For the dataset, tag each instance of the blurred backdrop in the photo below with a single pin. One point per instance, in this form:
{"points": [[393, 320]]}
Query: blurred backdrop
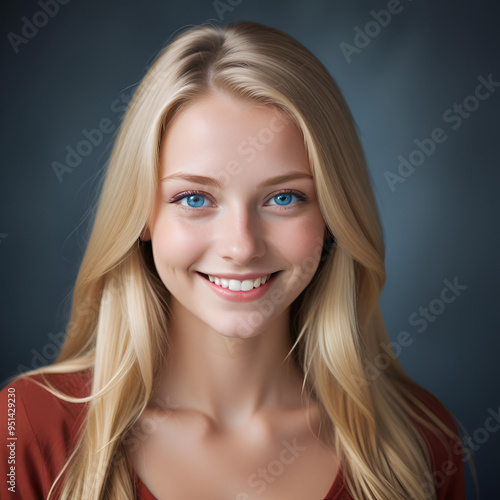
{"points": [[422, 79]]}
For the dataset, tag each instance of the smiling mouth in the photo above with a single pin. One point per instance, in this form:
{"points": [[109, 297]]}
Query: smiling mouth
{"points": [[237, 285]]}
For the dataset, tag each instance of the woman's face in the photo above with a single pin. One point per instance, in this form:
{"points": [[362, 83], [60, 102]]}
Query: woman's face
{"points": [[237, 231]]}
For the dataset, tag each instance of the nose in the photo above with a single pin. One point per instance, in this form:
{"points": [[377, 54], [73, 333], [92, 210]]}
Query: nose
{"points": [[241, 237]]}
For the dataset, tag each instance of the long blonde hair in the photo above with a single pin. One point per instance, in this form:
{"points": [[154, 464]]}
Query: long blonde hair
{"points": [[118, 327]]}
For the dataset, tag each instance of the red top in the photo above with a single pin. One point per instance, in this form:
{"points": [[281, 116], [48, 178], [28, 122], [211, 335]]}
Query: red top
{"points": [[38, 431]]}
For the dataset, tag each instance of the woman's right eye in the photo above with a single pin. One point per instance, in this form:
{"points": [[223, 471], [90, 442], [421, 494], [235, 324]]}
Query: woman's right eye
{"points": [[192, 200]]}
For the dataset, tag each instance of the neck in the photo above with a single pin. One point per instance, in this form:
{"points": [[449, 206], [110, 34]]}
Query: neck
{"points": [[229, 379]]}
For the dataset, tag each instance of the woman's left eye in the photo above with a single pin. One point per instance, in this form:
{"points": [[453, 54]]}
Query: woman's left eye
{"points": [[284, 199], [194, 200]]}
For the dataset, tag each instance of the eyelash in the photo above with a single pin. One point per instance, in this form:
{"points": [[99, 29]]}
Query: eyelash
{"points": [[301, 199], [180, 196], [185, 194]]}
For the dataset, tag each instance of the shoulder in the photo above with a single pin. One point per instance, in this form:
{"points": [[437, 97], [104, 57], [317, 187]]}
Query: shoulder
{"points": [[42, 408], [75, 384], [40, 428], [445, 447]]}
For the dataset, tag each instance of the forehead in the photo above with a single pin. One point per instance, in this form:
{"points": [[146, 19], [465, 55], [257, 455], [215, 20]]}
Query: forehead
{"points": [[219, 133]]}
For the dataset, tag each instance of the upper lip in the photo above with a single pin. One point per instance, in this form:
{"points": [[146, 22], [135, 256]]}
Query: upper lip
{"points": [[239, 277]]}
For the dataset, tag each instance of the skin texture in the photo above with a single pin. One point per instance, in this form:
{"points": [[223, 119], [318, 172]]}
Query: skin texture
{"points": [[228, 399]]}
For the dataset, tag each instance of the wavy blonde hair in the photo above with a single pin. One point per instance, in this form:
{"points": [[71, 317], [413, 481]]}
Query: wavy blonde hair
{"points": [[119, 321]]}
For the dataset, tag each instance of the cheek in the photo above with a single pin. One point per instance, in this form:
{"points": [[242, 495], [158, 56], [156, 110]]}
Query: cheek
{"points": [[176, 246], [301, 244], [310, 242]]}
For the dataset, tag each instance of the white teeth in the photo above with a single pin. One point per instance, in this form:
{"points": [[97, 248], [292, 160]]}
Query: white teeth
{"points": [[246, 285], [237, 285]]}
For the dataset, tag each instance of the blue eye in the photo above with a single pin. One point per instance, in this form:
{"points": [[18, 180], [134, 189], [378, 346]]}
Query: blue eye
{"points": [[284, 199], [194, 201]]}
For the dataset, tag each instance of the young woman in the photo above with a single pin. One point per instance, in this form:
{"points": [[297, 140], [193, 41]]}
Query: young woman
{"points": [[225, 320]]}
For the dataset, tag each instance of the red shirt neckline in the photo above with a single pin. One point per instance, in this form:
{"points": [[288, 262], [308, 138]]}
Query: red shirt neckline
{"points": [[334, 493], [46, 442]]}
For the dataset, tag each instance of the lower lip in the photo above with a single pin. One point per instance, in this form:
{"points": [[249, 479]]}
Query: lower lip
{"points": [[233, 296]]}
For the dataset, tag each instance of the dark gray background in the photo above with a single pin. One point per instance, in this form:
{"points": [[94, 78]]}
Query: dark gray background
{"points": [[440, 224]]}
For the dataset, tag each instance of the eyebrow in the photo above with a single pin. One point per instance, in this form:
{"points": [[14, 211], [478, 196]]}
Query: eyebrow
{"points": [[213, 182]]}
